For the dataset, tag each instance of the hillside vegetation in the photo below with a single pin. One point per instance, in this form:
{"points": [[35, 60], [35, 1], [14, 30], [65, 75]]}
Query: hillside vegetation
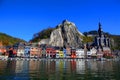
{"points": [[8, 40], [44, 34], [116, 39]]}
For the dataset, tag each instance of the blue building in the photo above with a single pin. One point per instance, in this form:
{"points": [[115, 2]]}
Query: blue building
{"points": [[27, 51]]}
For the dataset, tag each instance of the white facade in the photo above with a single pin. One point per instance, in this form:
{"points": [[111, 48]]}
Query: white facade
{"points": [[93, 52], [89, 53], [21, 52], [80, 53]]}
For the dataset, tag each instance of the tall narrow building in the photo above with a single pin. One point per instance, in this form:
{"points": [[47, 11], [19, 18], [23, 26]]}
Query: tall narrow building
{"points": [[102, 41]]}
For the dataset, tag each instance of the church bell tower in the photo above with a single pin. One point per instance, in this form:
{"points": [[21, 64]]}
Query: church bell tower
{"points": [[100, 32]]}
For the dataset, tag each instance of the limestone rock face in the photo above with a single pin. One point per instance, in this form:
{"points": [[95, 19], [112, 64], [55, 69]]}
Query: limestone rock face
{"points": [[56, 38], [66, 34], [44, 41]]}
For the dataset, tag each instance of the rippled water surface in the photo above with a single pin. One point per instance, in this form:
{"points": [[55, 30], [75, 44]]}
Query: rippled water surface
{"points": [[59, 70]]}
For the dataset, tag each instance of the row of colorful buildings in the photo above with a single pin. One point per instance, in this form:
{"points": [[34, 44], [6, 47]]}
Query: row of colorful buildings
{"points": [[22, 50]]}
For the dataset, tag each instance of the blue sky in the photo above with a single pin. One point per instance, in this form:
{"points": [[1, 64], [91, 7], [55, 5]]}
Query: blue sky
{"points": [[23, 18]]}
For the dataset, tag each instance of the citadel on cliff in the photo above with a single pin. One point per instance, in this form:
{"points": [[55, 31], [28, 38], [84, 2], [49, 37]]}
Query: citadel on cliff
{"points": [[66, 34]]}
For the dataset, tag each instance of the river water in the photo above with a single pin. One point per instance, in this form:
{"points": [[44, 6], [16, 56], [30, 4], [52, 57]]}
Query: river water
{"points": [[59, 70]]}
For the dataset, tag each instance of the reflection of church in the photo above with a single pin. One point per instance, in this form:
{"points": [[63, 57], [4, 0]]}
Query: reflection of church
{"points": [[101, 41]]}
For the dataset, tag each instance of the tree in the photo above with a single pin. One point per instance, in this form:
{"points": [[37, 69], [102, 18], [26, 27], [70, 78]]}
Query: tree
{"points": [[87, 39], [44, 34]]}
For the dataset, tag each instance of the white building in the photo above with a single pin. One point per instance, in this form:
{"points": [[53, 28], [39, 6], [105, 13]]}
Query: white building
{"points": [[80, 53], [93, 52], [20, 52]]}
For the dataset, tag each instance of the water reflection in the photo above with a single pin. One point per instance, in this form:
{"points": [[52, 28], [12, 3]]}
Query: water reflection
{"points": [[59, 70], [80, 67]]}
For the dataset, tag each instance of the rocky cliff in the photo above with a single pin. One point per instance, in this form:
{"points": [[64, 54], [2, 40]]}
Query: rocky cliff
{"points": [[66, 34]]}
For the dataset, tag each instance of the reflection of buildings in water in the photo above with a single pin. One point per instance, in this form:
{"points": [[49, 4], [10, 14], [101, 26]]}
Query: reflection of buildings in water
{"points": [[19, 66], [95, 65], [55, 70], [11, 65], [22, 70], [63, 66], [99, 66], [3, 65], [42, 69], [92, 65], [50, 66], [80, 67], [50, 70], [7, 68], [73, 65], [34, 66], [60, 66], [22, 67], [108, 66]]}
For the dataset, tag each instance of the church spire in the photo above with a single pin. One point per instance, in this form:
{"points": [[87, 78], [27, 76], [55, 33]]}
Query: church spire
{"points": [[100, 25], [100, 32]]}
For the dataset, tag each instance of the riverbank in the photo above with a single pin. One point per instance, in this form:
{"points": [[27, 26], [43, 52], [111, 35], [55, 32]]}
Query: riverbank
{"points": [[60, 59]]}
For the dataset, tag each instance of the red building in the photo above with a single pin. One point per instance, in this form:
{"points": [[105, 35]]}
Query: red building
{"points": [[50, 52], [73, 53]]}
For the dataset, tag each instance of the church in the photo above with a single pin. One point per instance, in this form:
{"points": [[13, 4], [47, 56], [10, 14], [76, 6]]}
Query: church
{"points": [[102, 41]]}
